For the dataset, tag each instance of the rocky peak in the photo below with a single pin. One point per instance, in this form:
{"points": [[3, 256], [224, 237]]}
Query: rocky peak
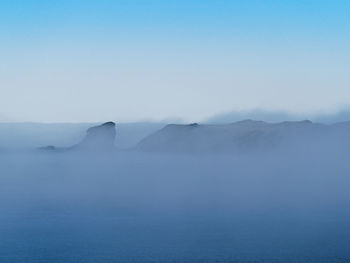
{"points": [[99, 137]]}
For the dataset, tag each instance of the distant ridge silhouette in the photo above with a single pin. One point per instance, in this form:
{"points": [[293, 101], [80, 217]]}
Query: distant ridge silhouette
{"points": [[98, 138], [241, 136]]}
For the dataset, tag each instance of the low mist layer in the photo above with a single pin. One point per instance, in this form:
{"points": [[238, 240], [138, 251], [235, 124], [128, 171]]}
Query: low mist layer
{"points": [[133, 207], [285, 202]]}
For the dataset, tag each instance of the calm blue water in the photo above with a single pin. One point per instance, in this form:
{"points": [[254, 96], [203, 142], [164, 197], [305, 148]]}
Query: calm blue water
{"points": [[139, 208]]}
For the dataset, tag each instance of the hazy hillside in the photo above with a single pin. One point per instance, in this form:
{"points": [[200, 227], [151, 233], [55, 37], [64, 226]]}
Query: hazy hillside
{"points": [[33, 135], [240, 136], [244, 135]]}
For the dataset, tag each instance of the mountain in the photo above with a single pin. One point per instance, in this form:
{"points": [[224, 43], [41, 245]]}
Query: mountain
{"points": [[100, 137], [244, 136], [97, 138], [279, 116], [19, 136]]}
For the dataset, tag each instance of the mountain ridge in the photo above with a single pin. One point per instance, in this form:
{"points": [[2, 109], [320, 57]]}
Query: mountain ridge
{"points": [[245, 135]]}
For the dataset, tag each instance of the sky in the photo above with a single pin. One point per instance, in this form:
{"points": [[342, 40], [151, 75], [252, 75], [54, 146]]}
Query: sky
{"points": [[133, 60]]}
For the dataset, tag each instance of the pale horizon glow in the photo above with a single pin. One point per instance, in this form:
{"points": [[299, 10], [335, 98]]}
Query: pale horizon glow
{"points": [[91, 61]]}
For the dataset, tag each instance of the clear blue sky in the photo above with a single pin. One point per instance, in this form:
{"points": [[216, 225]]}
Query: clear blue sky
{"points": [[131, 60]]}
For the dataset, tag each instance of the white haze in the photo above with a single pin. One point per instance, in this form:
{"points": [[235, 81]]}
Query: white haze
{"points": [[340, 115], [286, 205]]}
